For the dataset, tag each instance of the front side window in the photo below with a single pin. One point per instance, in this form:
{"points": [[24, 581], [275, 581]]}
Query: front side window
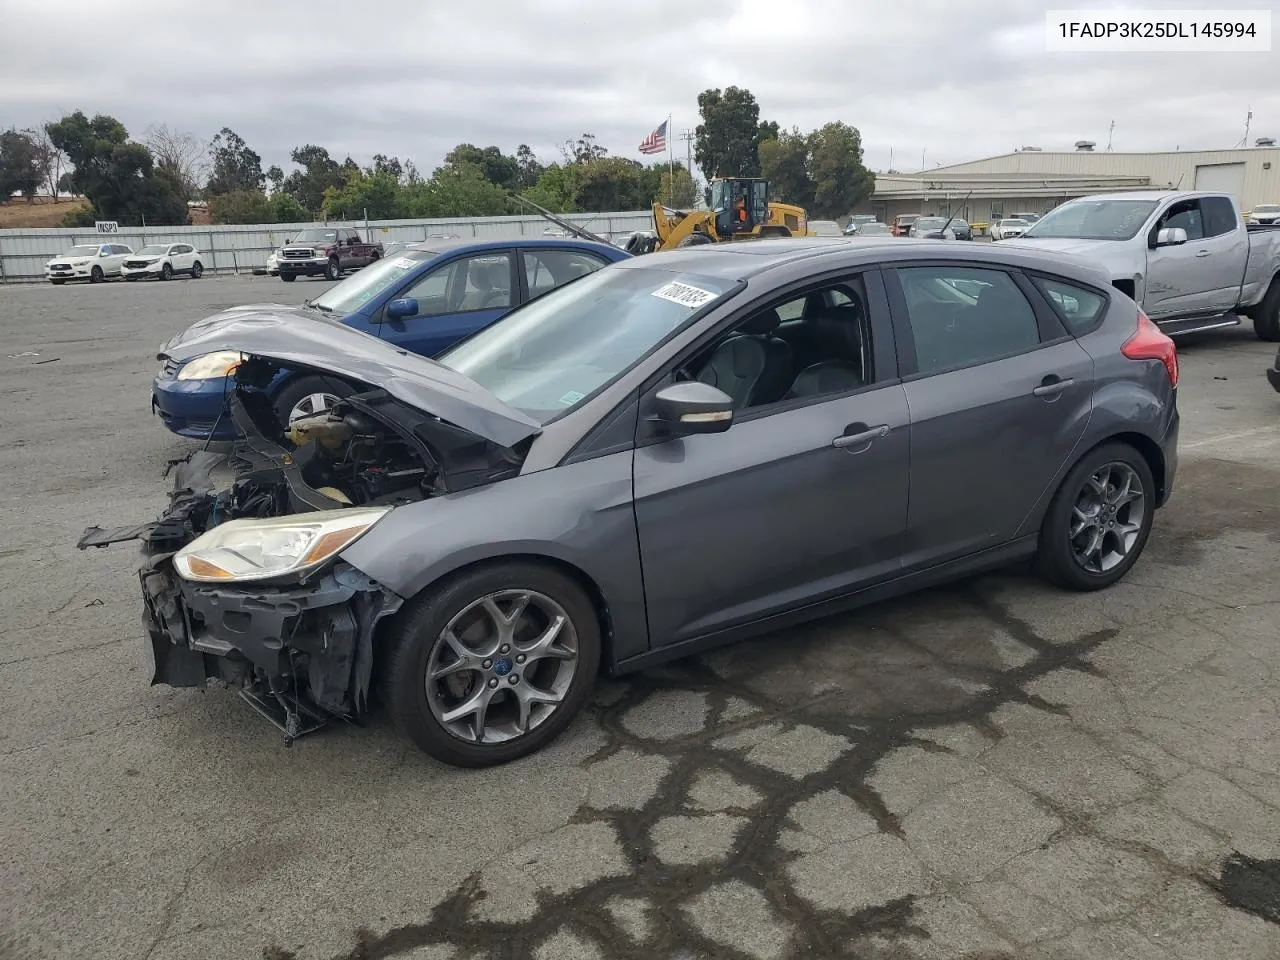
{"points": [[480, 282], [961, 316], [548, 356], [1185, 215], [547, 269]]}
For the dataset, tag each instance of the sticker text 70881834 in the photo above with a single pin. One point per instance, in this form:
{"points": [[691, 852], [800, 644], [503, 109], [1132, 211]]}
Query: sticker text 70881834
{"points": [[684, 294]]}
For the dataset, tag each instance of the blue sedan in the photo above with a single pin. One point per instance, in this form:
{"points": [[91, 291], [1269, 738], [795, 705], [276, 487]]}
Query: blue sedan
{"points": [[424, 298]]}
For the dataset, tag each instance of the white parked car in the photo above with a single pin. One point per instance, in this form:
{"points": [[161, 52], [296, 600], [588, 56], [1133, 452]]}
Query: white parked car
{"points": [[88, 261], [824, 228], [163, 260], [1008, 229], [273, 262]]}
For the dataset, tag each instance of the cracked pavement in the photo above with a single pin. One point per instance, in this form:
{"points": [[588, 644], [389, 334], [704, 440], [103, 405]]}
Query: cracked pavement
{"points": [[992, 770]]}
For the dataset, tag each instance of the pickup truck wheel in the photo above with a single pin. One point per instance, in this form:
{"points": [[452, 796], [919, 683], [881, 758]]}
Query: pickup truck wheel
{"points": [[1098, 522], [492, 664], [332, 270], [1266, 322], [288, 277]]}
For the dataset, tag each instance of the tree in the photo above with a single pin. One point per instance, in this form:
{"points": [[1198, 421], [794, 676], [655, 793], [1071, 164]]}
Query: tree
{"points": [[768, 130], [51, 161], [784, 162], [275, 177], [677, 188], [391, 166], [19, 165], [556, 188], [117, 175], [612, 183], [181, 154], [727, 141], [493, 165], [457, 191], [254, 206], [366, 193], [583, 150], [234, 165], [319, 172], [530, 169], [840, 180]]}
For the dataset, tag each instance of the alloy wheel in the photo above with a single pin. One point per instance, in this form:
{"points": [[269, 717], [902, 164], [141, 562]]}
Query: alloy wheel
{"points": [[502, 666], [310, 405], [1107, 518]]}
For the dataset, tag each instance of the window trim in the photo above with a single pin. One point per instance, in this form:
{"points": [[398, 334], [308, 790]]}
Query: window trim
{"points": [[1048, 326], [402, 292], [1163, 215], [884, 354]]}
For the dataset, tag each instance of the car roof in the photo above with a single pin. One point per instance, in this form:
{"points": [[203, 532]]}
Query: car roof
{"points": [[481, 246], [741, 260]]}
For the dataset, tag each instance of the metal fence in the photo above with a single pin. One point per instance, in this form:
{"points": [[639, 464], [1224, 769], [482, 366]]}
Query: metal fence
{"points": [[242, 249]]}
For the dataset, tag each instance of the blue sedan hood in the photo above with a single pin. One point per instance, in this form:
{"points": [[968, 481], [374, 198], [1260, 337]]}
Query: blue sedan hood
{"points": [[300, 339]]}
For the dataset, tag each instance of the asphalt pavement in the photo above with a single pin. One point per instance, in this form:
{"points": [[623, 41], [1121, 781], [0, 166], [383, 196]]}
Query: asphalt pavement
{"points": [[997, 769]]}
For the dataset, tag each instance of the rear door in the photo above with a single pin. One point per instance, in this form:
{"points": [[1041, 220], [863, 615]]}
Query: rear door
{"points": [[1000, 396], [455, 299]]}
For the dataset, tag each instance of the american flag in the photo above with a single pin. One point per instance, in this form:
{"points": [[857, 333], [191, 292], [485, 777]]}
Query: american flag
{"points": [[655, 142]]}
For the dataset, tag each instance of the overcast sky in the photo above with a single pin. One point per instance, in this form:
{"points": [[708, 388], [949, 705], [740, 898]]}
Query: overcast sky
{"points": [[946, 80]]}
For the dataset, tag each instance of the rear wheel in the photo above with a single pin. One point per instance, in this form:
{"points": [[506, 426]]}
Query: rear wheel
{"points": [[493, 664], [1099, 520], [197, 270], [1266, 322], [695, 240]]}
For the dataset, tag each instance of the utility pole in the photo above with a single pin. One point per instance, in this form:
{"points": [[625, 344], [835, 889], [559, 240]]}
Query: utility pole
{"points": [[687, 137], [1110, 132]]}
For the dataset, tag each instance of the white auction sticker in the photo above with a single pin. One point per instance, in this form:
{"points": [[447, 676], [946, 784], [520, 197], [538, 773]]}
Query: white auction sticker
{"points": [[684, 294], [404, 263]]}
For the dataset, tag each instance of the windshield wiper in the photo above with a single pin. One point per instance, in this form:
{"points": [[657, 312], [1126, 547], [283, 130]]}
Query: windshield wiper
{"points": [[317, 306]]}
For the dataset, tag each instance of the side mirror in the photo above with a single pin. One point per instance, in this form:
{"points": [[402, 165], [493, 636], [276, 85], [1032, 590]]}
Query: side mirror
{"points": [[694, 407], [404, 307], [1171, 237]]}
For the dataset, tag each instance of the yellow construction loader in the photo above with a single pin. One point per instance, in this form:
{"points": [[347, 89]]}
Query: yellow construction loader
{"points": [[739, 209]]}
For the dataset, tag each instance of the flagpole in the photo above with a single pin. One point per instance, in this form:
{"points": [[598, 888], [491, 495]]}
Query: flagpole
{"points": [[671, 173]]}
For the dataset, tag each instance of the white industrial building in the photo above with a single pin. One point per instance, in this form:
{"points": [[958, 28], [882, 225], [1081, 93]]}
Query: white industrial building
{"points": [[1032, 180]]}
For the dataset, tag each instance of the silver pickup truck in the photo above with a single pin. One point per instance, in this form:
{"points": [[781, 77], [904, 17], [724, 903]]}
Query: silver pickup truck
{"points": [[1186, 257]]}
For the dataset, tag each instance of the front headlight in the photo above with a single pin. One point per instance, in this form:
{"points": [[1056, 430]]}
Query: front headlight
{"points": [[212, 366], [253, 549]]}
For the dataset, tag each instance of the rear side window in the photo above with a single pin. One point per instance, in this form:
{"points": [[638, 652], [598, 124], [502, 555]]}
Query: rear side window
{"points": [[1079, 309], [1219, 216], [961, 316]]}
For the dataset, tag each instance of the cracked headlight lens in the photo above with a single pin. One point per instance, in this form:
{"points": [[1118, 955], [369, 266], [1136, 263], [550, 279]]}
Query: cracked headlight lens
{"points": [[258, 549], [212, 366]]}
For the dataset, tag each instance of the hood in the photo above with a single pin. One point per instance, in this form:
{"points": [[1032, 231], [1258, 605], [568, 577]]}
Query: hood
{"points": [[1093, 249], [306, 244], [300, 339]]}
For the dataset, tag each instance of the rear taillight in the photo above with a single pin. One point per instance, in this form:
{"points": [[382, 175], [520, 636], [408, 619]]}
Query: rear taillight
{"points": [[1151, 343]]}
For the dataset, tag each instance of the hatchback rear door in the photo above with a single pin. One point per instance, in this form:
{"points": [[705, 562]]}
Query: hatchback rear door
{"points": [[1000, 395]]}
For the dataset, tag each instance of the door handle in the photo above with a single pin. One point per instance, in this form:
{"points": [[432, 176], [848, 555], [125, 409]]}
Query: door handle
{"points": [[863, 436], [1202, 253], [1052, 385]]}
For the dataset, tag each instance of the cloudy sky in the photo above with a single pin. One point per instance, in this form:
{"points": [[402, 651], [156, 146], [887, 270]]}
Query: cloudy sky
{"points": [[935, 80]]}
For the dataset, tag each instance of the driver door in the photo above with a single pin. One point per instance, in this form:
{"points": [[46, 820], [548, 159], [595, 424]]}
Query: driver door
{"points": [[455, 299]]}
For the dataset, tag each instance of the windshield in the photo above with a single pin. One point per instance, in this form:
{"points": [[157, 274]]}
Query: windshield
{"points": [[551, 354], [357, 290], [153, 251], [1267, 208], [82, 251], [924, 223], [1015, 222], [1094, 220], [870, 229], [315, 236]]}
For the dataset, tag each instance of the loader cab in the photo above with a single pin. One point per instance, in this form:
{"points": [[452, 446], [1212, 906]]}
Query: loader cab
{"points": [[723, 198]]}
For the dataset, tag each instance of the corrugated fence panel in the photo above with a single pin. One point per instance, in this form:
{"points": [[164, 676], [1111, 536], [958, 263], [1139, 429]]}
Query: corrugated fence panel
{"points": [[241, 249]]}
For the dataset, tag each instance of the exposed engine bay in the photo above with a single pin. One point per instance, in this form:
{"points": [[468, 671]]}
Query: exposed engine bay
{"points": [[300, 648]]}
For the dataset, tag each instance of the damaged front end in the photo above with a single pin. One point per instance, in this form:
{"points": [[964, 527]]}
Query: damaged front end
{"points": [[245, 584]]}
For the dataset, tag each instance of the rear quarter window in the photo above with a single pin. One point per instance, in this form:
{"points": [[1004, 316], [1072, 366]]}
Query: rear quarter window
{"points": [[1080, 309]]}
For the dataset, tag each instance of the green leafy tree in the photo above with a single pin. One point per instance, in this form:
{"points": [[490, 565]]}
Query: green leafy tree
{"points": [[612, 183], [556, 188], [319, 172], [671, 185], [493, 165], [275, 177], [583, 150], [457, 191], [285, 209], [727, 141], [233, 166], [240, 206], [116, 175], [377, 195], [840, 181], [784, 162], [20, 167], [531, 169]]}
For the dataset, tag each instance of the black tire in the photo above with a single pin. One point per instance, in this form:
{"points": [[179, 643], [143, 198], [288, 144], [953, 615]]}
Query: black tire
{"points": [[96, 275], [57, 283], [1055, 555], [695, 240], [288, 277], [417, 630], [332, 269], [130, 278], [1266, 322], [295, 390], [197, 270], [166, 272]]}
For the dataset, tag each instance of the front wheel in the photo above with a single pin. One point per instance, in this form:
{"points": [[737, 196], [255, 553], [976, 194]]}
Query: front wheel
{"points": [[494, 664], [166, 272], [288, 277], [307, 396], [1099, 520], [96, 275], [332, 269], [197, 270]]}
